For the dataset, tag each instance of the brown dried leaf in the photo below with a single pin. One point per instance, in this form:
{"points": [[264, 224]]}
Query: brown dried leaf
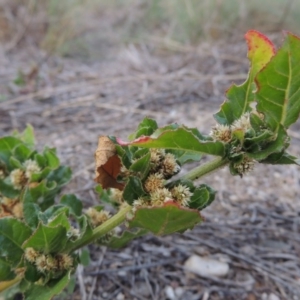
{"points": [[108, 164]]}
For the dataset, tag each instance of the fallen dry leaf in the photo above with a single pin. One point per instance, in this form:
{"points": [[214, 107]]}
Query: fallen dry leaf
{"points": [[108, 164]]}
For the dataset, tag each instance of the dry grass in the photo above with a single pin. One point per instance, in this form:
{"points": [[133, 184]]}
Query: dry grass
{"points": [[83, 27]]}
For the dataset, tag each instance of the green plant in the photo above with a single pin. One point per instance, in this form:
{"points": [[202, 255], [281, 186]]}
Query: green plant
{"points": [[40, 239]]}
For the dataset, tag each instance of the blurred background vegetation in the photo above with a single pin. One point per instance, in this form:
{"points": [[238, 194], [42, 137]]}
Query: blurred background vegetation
{"points": [[88, 28]]}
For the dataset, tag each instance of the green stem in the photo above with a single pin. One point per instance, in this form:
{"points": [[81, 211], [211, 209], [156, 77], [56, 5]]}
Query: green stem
{"points": [[119, 218], [206, 168], [104, 228]]}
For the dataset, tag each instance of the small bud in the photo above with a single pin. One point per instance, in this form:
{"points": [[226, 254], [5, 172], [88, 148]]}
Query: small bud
{"points": [[18, 178], [246, 166], [31, 167], [181, 194], [124, 172], [138, 203], [73, 233], [17, 210], [117, 195], [221, 133], [97, 217], [52, 263], [154, 182], [31, 254]]}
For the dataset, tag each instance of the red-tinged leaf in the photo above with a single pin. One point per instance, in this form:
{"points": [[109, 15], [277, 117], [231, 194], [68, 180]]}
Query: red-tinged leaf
{"points": [[278, 84], [166, 219], [260, 51], [178, 139], [108, 164]]}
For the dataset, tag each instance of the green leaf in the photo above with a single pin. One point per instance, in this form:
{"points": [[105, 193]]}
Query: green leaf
{"points": [[62, 175], [73, 203], [41, 160], [8, 190], [264, 136], [117, 242], [61, 218], [179, 139], [141, 166], [47, 239], [27, 136], [257, 123], [7, 145], [14, 163], [6, 272], [22, 153], [276, 146], [47, 292], [202, 197], [85, 233], [125, 155], [44, 193], [161, 130], [85, 257], [260, 51], [31, 273], [165, 220], [278, 94], [281, 159], [133, 190], [146, 127], [13, 233], [52, 159], [185, 156], [36, 177]]}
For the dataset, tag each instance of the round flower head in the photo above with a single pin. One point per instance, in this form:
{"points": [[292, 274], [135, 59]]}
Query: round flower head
{"points": [[160, 196], [31, 167], [243, 123], [154, 182], [18, 179], [41, 263], [221, 133], [156, 155], [181, 194], [169, 166], [31, 254], [65, 261]]}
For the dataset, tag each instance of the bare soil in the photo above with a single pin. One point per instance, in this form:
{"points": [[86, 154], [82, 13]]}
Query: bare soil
{"points": [[254, 222]]}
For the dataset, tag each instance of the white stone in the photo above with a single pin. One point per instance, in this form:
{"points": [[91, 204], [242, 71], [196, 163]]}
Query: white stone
{"points": [[273, 297], [170, 293], [205, 266], [120, 296]]}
